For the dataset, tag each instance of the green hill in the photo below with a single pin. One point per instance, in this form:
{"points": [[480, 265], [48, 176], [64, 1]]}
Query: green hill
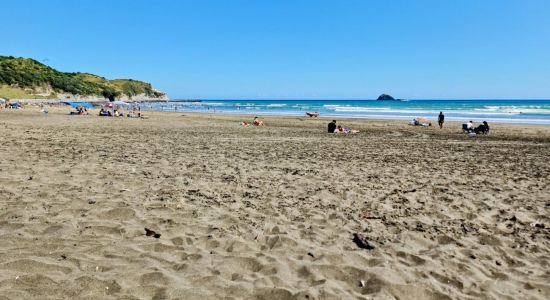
{"points": [[26, 78]]}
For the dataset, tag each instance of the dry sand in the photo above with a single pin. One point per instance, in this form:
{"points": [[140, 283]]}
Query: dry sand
{"points": [[269, 213]]}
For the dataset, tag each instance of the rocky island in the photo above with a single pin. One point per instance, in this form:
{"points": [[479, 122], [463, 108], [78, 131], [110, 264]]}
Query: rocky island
{"points": [[385, 97]]}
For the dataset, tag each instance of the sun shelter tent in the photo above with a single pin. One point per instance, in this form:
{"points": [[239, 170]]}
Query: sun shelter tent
{"points": [[15, 105], [78, 104]]}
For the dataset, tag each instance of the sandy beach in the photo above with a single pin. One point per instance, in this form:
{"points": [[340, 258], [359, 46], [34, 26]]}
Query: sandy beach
{"points": [[269, 212]]}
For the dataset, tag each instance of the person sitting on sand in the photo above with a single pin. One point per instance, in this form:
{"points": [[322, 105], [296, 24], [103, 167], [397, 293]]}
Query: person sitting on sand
{"points": [[245, 124], [483, 128], [486, 127], [332, 126], [132, 114], [420, 121], [342, 130], [103, 113], [80, 111], [470, 126], [257, 122]]}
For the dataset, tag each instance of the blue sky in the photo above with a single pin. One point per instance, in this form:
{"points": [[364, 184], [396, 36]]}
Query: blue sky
{"points": [[294, 49]]}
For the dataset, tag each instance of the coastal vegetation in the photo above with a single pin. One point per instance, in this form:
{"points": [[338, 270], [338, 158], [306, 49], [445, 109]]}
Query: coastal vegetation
{"points": [[9, 92], [28, 78]]}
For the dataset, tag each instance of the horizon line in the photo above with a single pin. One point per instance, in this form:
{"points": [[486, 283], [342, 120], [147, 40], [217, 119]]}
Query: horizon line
{"points": [[338, 99]]}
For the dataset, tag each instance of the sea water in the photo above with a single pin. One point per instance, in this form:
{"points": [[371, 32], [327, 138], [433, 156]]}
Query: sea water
{"points": [[501, 111]]}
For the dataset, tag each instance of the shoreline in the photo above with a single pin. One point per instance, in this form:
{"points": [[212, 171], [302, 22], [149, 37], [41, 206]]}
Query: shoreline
{"points": [[327, 119], [331, 117], [322, 121], [206, 109], [492, 111]]}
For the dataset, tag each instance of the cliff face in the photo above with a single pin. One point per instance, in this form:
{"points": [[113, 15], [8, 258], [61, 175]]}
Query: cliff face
{"points": [[25, 77], [94, 98]]}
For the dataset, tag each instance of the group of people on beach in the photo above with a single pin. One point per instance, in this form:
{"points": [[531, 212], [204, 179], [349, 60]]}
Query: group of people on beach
{"points": [[422, 121], [134, 113], [482, 128], [81, 111], [467, 127]]}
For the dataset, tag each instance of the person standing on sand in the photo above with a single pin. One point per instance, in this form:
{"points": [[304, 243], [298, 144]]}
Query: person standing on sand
{"points": [[441, 119], [332, 126]]}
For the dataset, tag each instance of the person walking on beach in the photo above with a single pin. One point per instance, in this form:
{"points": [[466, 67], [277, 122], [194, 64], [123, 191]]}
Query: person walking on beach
{"points": [[332, 126], [441, 119]]}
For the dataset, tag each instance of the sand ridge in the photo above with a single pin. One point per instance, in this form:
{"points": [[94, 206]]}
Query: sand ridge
{"points": [[269, 213]]}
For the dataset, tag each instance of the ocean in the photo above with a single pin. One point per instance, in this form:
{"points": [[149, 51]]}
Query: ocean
{"points": [[501, 111]]}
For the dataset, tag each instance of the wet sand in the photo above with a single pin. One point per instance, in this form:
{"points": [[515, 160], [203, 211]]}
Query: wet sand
{"points": [[269, 213]]}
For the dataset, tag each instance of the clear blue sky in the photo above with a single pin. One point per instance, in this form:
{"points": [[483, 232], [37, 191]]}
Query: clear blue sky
{"points": [[297, 49]]}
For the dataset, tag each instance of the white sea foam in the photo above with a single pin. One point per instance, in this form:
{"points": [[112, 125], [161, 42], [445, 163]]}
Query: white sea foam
{"points": [[515, 110], [212, 103], [492, 111], [355, 108], [383, 110], [506, 113]]}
